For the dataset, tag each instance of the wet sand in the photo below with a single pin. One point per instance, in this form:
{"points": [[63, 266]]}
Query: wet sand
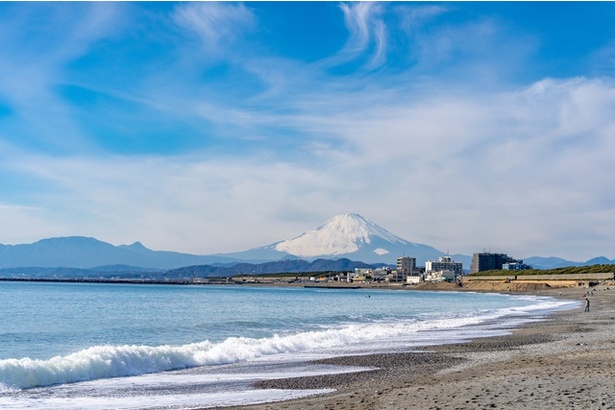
{"points": [[564, 362]]}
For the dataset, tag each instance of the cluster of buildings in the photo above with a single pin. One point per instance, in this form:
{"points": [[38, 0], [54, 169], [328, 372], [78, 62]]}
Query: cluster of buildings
{"points": [[490, 261], [444, 269], [406, 271]]}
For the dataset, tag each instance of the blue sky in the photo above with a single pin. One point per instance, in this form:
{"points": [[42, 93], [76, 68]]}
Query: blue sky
{"points": [[218, 127]]}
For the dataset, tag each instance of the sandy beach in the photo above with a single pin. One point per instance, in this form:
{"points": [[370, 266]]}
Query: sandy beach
{"points": [[566, 361]]}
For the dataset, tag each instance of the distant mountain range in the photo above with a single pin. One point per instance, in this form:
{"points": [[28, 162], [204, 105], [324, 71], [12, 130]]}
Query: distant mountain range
{"points": [[125, 272], [82, 252], [350, 237], [285, 266], [538, 262]]}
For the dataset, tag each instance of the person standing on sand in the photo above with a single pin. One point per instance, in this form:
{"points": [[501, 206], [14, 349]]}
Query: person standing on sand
{"points": [[586, 304]]}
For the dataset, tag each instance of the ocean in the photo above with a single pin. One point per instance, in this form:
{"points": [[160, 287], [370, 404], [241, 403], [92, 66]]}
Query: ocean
{"points": [[121, 346]]}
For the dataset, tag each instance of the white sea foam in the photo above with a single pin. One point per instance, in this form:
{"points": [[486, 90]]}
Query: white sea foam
{"points": [[114, 361], [184, 401], [97, 362], [181, 389], [100, 362]]}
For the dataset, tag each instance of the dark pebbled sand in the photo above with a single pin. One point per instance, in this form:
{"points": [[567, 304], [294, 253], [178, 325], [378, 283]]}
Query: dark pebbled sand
{"points": [[564, 362]]}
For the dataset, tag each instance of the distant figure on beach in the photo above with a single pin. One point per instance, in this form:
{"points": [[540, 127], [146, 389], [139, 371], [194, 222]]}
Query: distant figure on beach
{"points": [[586, 305]]}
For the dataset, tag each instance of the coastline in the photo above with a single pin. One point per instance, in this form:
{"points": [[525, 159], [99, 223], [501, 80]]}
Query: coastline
{"points": [[566, 360]]}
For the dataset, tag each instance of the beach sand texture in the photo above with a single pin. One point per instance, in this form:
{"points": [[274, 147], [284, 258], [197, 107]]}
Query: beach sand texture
{"points": [[564, 362]]}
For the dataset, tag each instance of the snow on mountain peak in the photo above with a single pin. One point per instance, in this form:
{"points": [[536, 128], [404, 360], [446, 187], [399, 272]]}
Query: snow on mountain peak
{"points": [[342, 234]]}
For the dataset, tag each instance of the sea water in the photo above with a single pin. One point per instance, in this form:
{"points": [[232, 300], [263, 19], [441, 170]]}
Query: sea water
{"points": [[113, 346]]}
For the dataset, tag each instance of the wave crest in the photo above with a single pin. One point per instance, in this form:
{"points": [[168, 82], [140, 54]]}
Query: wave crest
{"points": [[99, 362]]}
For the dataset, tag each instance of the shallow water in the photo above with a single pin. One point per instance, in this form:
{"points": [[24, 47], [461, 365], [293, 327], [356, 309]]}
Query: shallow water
{"points": [[95, 345]]}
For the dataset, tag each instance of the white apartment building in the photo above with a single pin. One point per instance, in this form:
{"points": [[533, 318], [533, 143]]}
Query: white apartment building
{"points": [[444, 263]]}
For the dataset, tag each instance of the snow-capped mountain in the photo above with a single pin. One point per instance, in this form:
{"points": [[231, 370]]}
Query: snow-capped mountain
{"points": [[343, 234], [349, 236], [346, 236]]}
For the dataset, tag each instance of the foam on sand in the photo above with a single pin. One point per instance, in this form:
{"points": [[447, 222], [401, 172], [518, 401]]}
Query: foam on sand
{"points": [[233, 398]]}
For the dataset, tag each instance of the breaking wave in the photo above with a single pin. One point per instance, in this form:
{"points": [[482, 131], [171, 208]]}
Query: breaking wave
{"points": [[108, 361], [99, 362]]}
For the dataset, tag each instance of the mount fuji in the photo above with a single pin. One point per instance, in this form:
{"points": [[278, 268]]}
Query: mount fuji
{"points": [[347, 235]]}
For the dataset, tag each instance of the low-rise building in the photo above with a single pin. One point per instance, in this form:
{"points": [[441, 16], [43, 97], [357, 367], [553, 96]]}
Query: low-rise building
{"points": [[441, 276], [396, 276], [519, 265], [381, 274], [444, 263], [363, 271], [413, 280]]}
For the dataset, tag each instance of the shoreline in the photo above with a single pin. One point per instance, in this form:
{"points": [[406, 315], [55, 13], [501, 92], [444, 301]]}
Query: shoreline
{"points": [[566, 360]]}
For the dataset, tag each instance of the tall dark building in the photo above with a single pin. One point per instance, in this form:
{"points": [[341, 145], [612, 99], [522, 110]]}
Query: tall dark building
{"points": [[489, 261]]}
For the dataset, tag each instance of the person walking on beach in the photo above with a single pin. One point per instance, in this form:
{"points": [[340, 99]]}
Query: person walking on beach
{"points": [[586, 304]]}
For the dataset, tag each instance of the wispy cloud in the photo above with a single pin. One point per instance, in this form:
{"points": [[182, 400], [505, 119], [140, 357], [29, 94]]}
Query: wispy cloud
{"points": [[32, 64], [210, 142], [423, 154], [218, 25], [414, 17], [367, 34]]}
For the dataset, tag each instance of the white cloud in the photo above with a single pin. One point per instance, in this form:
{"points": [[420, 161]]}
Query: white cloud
{"points": [[380, 37], [414, 17], [461, 174], [357, 17], [508, 163], [365, 26], [434, 159], [33, 61], [217, 24], [27, 224]]}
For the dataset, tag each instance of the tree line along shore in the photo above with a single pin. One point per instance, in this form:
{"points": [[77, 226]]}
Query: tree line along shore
{"points": [[495, 280]]}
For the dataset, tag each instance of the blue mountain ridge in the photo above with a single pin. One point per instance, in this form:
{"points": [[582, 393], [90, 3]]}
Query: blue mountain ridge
{"points": [[347, 236], [86, 252], [90, 253]]}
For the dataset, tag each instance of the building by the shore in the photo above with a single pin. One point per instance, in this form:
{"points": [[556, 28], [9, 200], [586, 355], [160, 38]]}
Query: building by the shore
{"points": [[495, 261], [519, 265], [406, 266], [444, 263]]}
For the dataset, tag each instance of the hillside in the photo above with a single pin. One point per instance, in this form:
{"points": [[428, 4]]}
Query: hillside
{"points": [[185, 273], [570, 270]]}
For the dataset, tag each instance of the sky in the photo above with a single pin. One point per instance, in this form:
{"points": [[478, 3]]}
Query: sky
{"points": [[219, 127]]}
